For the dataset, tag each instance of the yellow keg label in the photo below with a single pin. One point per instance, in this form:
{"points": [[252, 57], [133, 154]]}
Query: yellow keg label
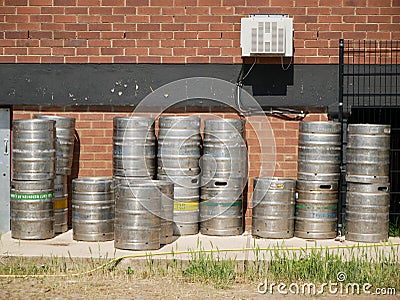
{"points": [[60, 203], [186, 206], [279, 186]]}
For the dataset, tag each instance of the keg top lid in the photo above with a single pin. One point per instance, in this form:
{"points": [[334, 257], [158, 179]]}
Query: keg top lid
{"points": [[179, 118], [135, 182], [134, 118], [55, 118], [274, 182], [133, 122], [369, 128], [320, 122], [267, 178], [92, 179], [33, 121], [28, 123], [370, 125], [144, 180], [224, 120]]}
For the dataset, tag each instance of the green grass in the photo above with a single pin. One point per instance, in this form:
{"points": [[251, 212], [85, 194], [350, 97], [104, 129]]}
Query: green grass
{"points": [[360, 265], [211, 269], [317, 265], [394, 228]]}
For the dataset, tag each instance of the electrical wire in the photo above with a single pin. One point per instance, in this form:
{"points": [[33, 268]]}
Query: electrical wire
{"points": [[281, 113], [114, 262], [248, 72], [288, 66], [239, 84]]}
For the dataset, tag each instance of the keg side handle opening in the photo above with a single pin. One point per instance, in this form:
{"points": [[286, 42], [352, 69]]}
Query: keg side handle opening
{"points": [[220, 183], [325, 187], [383, 189]]}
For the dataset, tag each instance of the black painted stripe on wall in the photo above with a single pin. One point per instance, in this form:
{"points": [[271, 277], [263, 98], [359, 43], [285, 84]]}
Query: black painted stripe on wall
{"points": [[312, 86]]}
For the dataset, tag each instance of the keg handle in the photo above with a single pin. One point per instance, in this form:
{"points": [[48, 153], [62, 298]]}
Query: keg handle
{"points": [[325, 186], [6, 147]]}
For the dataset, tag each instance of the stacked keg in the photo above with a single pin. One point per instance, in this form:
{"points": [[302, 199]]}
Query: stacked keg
{"points": [[273, 208], [367, 176], [224, 176], [137, 214], [318, 175], [143, 220], [134, 144], [93, 209], [178, 155], [32, 187], [65, 131]]}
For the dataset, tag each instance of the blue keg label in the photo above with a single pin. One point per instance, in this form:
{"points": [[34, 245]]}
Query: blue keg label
{"points": [[312, 207], [145, 152], [118, 152]]}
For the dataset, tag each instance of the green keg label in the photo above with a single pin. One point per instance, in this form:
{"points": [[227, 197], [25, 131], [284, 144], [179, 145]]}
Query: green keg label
{"points": [[43, 196], [186, 206], [223, 204], [311, 207]]}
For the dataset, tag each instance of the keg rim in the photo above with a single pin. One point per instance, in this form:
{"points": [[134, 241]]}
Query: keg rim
{"points": [[273, 178], [92, 179], [33, 121], [320, 122], [145, 180], [179, 176], [54, 118], [134, 118], [224, 120], [319, 128], [369, 124], [179, 118], [138, 182]]}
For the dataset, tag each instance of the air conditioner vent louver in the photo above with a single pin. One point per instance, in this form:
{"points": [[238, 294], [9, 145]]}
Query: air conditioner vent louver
{"points": [[266, 35]]}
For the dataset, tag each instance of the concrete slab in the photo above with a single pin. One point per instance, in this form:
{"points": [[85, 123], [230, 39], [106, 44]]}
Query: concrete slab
{"points": [[63, 245]]}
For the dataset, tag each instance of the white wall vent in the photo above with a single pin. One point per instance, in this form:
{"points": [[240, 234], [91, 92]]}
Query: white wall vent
{"points": [[266, 35]]}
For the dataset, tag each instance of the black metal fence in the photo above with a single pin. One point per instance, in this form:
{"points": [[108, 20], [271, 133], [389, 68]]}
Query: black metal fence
{"points": [[369, 92], [369, 74]]}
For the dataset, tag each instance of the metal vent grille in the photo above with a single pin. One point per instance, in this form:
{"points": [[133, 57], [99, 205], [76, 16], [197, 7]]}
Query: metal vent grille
{"points": [[268, 37]]}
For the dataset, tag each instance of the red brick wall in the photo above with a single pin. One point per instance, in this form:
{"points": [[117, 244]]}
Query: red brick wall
{"points": [[179, 31], [95, 134]]}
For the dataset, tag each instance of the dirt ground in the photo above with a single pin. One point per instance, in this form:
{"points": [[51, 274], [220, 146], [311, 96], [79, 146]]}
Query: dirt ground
{"points": [[118, 288], [92, 287]]}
